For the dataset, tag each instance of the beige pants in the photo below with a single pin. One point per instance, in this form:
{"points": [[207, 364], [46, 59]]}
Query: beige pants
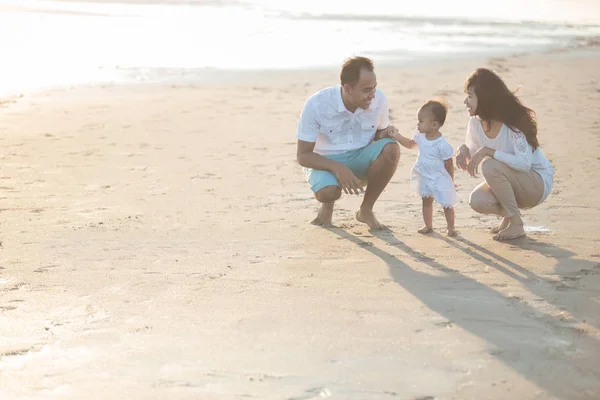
{"points": [[505, 190]]}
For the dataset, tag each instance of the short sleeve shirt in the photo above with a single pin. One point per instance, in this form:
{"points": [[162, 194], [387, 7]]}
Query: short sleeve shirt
{"points": [[326, 122]]}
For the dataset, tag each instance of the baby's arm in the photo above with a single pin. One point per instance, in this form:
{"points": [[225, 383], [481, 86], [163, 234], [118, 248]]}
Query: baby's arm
{"points": [[449, 164], [404, 141]]}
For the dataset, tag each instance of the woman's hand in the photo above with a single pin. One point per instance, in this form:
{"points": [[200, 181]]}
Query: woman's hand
{"points": [[477, 158], [463, 157]]}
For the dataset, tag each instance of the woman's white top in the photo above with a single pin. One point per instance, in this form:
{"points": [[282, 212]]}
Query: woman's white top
{"points": [[429, 177], [513, 150]]}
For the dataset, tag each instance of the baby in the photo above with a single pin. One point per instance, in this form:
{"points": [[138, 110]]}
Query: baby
{"points": [[432, 176]]}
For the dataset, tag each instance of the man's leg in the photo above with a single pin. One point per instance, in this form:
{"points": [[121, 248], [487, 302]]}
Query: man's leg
{"points": [[325, 187], [327, 197], [378, 175]]}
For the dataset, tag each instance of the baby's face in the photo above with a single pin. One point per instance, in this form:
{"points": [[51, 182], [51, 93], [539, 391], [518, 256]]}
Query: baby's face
{"points": [[426, 121]]}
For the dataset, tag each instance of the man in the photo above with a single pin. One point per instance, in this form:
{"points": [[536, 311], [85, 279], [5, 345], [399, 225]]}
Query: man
{"points": [[335, 142]]}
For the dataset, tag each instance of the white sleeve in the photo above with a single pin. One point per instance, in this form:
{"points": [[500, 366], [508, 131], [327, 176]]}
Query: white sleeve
{"points": [[472, 140], [308, 125], [417, 135], [384, 117], [521, 160], [445, 150]]}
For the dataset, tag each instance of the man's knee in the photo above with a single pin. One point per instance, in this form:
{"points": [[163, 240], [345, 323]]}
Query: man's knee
{"points": [[390, 153], [328, 194], [490, 166]]}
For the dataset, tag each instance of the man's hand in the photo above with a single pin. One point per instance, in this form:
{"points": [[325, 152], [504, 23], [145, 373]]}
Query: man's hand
{"points": [[348, 181], [309, 159], [388, 132]]}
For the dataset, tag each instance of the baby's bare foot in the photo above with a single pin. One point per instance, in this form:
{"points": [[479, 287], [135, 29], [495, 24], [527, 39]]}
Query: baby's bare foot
{"points": [[452, 232], [426, 229]]}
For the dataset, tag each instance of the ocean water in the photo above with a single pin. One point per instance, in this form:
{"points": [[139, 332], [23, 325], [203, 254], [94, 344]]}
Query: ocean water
{"points": [[46, 43]]}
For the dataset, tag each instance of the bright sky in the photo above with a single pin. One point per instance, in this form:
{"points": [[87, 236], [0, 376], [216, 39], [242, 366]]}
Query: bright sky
{"points": [[59, 45]]}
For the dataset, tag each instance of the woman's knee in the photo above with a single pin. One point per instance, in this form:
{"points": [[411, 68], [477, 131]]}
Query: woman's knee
{"points": [[490, 167], [478, 201], [329, 194]]}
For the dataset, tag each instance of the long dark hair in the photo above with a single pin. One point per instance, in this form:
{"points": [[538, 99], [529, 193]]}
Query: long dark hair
{"points": [[496, 102]]}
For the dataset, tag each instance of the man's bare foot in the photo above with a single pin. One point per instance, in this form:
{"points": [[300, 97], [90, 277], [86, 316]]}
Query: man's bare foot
{"points": [[513, 231], [325, 215], [503, 225], [426, 229], [367, 217], [452, 232]]}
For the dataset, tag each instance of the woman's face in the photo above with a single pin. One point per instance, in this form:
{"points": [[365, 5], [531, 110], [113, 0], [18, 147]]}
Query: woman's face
{"points": [[471, 101]]}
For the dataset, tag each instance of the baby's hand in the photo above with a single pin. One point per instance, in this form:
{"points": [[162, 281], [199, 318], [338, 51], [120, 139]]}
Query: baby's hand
{"points": [[388, 132]]}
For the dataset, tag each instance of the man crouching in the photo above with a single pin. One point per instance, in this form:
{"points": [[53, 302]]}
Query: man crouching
{"points": [[336, 144]]}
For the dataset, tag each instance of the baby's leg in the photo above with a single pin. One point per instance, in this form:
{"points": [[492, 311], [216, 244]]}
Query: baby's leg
{"points": [[427, 215], [449, 213]]}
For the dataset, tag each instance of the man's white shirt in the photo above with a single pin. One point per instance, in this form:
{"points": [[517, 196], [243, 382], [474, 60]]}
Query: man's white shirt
{"points": [[326, 122]]}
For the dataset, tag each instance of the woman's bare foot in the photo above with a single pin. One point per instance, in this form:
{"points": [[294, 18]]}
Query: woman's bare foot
{"points": [[426, 229], [503, 225], [367, 217], [513, 231], [452, 232], [325, 215]]}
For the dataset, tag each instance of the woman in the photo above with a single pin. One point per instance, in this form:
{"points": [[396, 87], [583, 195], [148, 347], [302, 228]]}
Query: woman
{"points": [[516, 172]]}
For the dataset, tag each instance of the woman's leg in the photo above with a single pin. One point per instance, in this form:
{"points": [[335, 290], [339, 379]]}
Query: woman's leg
{"points": [[483, 201], [427, 215], [513, 190]]}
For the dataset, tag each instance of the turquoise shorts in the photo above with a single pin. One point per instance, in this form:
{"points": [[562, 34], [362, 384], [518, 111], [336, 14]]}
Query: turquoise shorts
{"points": [[358, 161]]}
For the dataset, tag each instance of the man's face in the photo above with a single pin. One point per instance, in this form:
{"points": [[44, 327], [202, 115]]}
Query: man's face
{"points": [[363, 92]]}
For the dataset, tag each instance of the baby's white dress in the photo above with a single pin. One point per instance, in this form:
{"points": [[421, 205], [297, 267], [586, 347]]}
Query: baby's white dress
{"points": [[429, 177]]}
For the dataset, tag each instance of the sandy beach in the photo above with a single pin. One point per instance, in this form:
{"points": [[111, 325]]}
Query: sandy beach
{"points": [[155, 244]]}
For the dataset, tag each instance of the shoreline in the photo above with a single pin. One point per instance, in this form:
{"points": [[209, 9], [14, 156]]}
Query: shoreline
{"points": [[49, 61], [586, 47]]}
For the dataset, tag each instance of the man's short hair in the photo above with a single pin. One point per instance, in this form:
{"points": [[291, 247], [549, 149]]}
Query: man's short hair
{"points": [[350, 73], [438, 109]]}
